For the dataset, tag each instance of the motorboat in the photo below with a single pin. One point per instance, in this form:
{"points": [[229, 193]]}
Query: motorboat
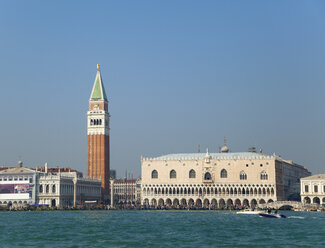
{"points": [[272, 215], [249, 211]]}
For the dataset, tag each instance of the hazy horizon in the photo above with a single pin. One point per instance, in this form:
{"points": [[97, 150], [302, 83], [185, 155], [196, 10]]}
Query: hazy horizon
{"points": [[176, 74]]}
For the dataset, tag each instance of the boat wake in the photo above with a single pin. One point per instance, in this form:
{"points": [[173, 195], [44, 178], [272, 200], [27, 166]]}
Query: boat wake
{"points": [[296, 217]]}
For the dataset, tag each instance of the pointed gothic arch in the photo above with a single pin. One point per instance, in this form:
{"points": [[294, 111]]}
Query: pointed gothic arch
{"points": [[154, 174], [223, 173], [172, 174], [264, 175], [192, 174], [207, 176], [242, 175]]}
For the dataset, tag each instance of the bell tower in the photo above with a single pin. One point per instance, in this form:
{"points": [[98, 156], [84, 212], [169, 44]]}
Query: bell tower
{"points": [[98, 131]]}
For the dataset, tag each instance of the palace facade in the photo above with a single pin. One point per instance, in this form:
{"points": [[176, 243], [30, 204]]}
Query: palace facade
{"points": [[219, 180]]}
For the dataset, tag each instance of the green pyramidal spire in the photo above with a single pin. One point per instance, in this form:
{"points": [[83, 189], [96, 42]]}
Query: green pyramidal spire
{"points": [[98, 92]]}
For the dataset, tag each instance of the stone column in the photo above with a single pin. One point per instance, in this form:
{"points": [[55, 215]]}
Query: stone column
{"points": [[74, 191], [112, 193]]}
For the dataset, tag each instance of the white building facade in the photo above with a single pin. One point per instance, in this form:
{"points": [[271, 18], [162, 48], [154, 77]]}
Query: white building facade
{"points": [[18, 186], [219, 180], [58, 189], [126, 191], [313, 189]]}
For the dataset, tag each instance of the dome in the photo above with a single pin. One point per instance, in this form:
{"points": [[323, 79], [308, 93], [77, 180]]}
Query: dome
{"points": [[224, 149]]}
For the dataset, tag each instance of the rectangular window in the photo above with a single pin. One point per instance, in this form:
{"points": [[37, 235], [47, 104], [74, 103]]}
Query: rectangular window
{"points": [[306, 188], [315, 188]]}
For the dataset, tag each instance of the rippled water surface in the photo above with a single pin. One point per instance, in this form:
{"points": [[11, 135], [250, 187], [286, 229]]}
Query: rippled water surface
{"points": [[159, 229]]}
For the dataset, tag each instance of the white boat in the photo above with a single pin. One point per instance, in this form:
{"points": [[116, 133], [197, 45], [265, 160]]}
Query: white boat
{"points": [[249, 211]]}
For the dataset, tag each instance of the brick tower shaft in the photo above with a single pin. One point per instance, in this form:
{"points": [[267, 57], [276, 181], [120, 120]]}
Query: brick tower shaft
{"points": [[98, 131]]}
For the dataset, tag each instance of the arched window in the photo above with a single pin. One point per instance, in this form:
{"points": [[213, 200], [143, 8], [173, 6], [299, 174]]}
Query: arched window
{"points": [[192, 174], [41, 188], [264, 175], [242, 175], [154, 174], [53, 189], [172, 174], [47, 189], [207, 176], [223, 173]]}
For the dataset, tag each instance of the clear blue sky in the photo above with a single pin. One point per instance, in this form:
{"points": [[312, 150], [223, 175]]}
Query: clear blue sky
{"points": [[177, 73]]}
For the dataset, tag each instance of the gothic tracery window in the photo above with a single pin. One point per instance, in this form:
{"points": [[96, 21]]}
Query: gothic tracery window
{"points": [[242, 175], [154, 174], [207, 176], [264, 175], [172, 174], [192, 174], [223, 173]]}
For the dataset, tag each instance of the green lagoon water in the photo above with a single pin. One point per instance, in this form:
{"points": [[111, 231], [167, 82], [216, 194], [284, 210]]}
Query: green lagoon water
{"points": [[159, 229]]}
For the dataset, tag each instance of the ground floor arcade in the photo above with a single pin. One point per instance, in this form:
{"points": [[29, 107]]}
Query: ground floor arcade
{"points": [[313, 200], [213, 203], [208, 195]]}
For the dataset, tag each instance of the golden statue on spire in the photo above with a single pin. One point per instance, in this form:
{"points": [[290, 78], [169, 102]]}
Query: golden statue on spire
{"points": [[98, 67]]}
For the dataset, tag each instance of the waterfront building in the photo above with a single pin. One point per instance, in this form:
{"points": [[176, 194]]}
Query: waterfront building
{"points": [[17, 185], [219, 179], [54, 187], [313, 189], [63, 187], [125, 191], [98, 131]]}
